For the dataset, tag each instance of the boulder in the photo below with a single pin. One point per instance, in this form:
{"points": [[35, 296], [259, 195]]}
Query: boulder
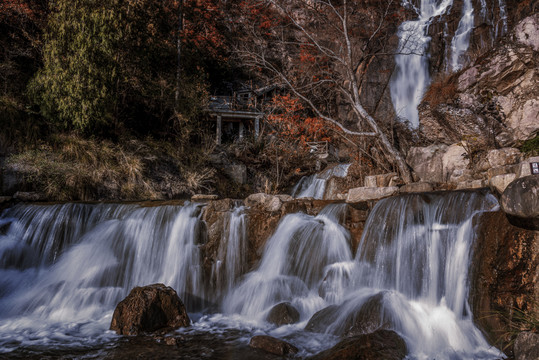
{"points": [[381, 180], [502, 170], [266, 201], [283, 314], [416, 187], [502, 157], [527, 346], [370, 193], [520, 201], [272, 345], [527, 32], [427, 162], [368, 317], [499, 183], [455, 164], [148, 309], [379, 345]]}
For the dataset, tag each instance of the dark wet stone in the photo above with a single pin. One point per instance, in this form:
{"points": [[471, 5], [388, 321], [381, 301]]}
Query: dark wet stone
{"points": [[272, 345], [148, 309], [379, 345], [283, 314]]}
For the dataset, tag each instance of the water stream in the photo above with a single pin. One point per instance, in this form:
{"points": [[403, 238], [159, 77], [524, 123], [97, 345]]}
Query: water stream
{"points": [[314, 186], [63, 268]]}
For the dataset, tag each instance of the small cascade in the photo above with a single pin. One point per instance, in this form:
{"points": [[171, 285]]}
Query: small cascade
{"points": [[411, 77], [461, 40], [501, 25], [314, 186], [71, 264], [231, 259], [296, 259]]}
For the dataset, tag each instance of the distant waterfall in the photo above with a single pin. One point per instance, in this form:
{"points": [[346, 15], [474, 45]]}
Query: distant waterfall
{"points": [[411, 78], [314, 186], [461, 40]]}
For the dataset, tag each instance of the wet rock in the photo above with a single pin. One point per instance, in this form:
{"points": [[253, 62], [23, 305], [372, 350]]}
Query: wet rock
{"points": [[368, 318], [379, 345], [504, 271], [499, 183], [520, 201], [502, 157], [416, 187], [272, 345], [148, 309], [283, 314], [370, 193], [427, 162], [527, 346]]}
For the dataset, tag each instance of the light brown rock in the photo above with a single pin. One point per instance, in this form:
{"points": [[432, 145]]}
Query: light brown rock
{"points": [[416, 187], [427, 162], [500, 182], [370, 193]]}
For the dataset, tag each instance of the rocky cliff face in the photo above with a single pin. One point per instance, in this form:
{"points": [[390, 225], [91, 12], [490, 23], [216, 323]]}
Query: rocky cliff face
{"points": [[505, 280], [495, 99]]}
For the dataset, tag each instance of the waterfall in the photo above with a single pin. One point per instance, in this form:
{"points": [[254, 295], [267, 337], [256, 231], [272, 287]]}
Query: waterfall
{"points": [[461, 40], [314, 186], [501, 30], [411, 77], [231, 259], [63, 268]]}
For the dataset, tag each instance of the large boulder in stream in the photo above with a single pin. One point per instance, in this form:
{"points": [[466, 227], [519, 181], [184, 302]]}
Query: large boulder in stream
{"points": [[520, 201], [283, 314], [148, 309], [369, 317], [379, 345]]}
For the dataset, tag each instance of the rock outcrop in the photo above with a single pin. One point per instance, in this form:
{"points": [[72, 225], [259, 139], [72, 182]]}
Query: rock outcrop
{"points": [[148, 309], [493, 101], [520, 201], [505, 276], [527, 346], [379, 345]]}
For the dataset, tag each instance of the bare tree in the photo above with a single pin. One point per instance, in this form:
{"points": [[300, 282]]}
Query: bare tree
{"points": [[321, 50]]}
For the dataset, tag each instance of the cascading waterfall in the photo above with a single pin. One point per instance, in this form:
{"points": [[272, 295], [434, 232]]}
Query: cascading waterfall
{"points": [[461, 40], [295, 260], [314, 186], [501, 29], [83, 260], [231, 259], [411, 77], [63, 268]]}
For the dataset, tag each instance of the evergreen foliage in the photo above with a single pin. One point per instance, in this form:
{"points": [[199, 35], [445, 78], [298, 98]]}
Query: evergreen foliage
{"points": [[76, 85]]}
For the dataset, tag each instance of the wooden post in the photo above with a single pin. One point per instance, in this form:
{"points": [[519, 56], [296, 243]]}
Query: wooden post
{"points": [[219, 130], [242, 129], [257, 126]]}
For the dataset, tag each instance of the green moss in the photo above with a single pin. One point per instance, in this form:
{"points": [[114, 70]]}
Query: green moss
{"points": [[531, 147]]}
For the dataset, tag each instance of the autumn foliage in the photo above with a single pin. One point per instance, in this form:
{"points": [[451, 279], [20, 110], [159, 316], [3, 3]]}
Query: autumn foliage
{"points": [[288, 120]]}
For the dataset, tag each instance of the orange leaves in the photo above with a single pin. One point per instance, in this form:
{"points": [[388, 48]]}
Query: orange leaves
{"points": [[289, 121]]}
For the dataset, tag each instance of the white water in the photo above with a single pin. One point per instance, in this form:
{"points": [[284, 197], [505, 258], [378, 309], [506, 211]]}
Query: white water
{"points": [[231, 260], [60, 282], [314, 186], [461, 40]]}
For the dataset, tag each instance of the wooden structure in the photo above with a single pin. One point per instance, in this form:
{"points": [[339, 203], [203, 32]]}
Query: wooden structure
{"points": [[234, 114]]}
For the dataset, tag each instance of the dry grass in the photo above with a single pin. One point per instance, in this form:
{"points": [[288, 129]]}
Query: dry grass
{"points": [[69, 167]]}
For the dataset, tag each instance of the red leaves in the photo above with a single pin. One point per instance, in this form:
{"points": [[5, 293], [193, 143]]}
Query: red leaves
{"points": [[289, 121]]}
